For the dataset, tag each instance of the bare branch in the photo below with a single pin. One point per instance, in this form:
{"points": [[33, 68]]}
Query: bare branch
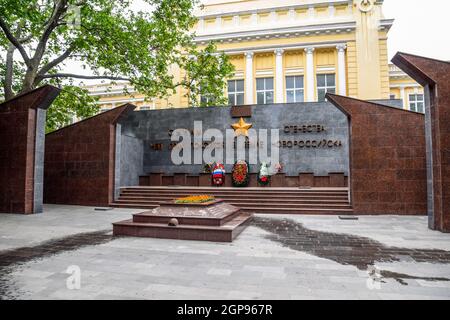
{"points": [[30, 79], [60, 8], [14, 41], [45, 69], [53, 11]]}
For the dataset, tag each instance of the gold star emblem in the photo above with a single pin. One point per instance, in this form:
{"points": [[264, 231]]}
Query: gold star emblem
{"points": [[241, 128]]}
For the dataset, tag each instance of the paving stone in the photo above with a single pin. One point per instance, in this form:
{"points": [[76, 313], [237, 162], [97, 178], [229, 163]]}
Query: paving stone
{"points": [[325, 259], [220, 272]]}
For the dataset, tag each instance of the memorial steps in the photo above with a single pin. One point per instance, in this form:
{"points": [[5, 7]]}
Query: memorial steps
{"points": [[254, 200]]}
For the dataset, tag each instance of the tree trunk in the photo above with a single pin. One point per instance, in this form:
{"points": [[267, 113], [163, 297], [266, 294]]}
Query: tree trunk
{"points": [[28, 83], [9, 72]]}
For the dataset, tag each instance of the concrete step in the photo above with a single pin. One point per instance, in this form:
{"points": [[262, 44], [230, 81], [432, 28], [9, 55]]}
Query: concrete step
{"points": [[261, 209], [237, 195], [270, 203], [308, 211], [236, 198], [233, 189], [241, 191], [270, 200]]}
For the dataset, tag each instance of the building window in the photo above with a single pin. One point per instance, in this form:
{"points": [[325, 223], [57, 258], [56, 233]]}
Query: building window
{"points": [[295, 91], [416, 102], [235, 92], [264, 90], [392, 97], [326, 83]]}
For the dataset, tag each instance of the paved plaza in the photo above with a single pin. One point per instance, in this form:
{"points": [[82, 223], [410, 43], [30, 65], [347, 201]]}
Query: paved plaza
{"points": [[276, 257]]}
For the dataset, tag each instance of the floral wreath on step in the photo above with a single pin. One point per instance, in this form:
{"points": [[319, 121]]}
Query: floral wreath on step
{"points": [[263, 175], [241, 174]]}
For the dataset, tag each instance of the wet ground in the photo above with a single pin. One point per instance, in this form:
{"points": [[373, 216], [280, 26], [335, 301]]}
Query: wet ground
{"points": [[277, 257], [347, 249], [12, 259]]}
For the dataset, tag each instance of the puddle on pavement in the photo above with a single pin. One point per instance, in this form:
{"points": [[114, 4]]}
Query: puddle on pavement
{"points": [[11, 259], [347, 249]]}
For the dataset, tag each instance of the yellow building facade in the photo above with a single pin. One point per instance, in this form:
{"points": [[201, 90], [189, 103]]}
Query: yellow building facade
{"points": [[292, 51]]}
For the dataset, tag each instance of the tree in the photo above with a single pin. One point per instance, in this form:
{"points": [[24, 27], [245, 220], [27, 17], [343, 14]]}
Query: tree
{"points": [[114, 42]]}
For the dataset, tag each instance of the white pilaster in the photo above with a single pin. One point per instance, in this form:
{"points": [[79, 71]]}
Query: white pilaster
{"points": [[194, 102], [310, 96], [201, 24], [218, 22], [279, 94], [236, 21], [292, 14], [341, 69], [254, 19], [350, 8], [331, 10], [311, 12], [403, 97], [249, 78], [273, 16]]}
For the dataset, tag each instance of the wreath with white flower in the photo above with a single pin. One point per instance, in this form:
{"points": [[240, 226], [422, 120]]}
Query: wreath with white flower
{"points": [[263, 175]]}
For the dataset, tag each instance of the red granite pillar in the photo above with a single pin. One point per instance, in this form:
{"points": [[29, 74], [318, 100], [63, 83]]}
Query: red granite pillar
{"points": [[387, 158], [22, 128], [434, 75], [80, 161]]}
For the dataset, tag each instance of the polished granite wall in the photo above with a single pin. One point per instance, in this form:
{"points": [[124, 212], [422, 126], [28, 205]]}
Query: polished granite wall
{"points": [[387, 158], [434, 75], [152, 127]]}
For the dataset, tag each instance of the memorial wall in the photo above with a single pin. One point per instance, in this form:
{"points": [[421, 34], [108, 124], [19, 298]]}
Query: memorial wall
{"points": [[313, 137]]}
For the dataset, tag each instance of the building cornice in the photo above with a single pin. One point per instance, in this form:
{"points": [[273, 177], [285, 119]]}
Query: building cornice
{"points": [[287, 32], [272, 48], [103, 91], [275, 8], [386, 24], [405, 85], [118, 101]]}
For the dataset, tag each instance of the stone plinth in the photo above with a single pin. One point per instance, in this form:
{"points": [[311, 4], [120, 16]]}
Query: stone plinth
{"points": [[213, 221]]}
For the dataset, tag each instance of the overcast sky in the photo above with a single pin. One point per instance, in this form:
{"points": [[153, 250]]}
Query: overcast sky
{"points": [[421, 27]]}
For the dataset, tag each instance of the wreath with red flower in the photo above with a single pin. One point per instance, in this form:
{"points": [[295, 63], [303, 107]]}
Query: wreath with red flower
{"points": [[264, 180], [263, 175], [240, 174]]}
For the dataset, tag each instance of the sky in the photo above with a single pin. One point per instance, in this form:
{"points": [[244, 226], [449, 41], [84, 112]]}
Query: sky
{"points": [[421, 27]]}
